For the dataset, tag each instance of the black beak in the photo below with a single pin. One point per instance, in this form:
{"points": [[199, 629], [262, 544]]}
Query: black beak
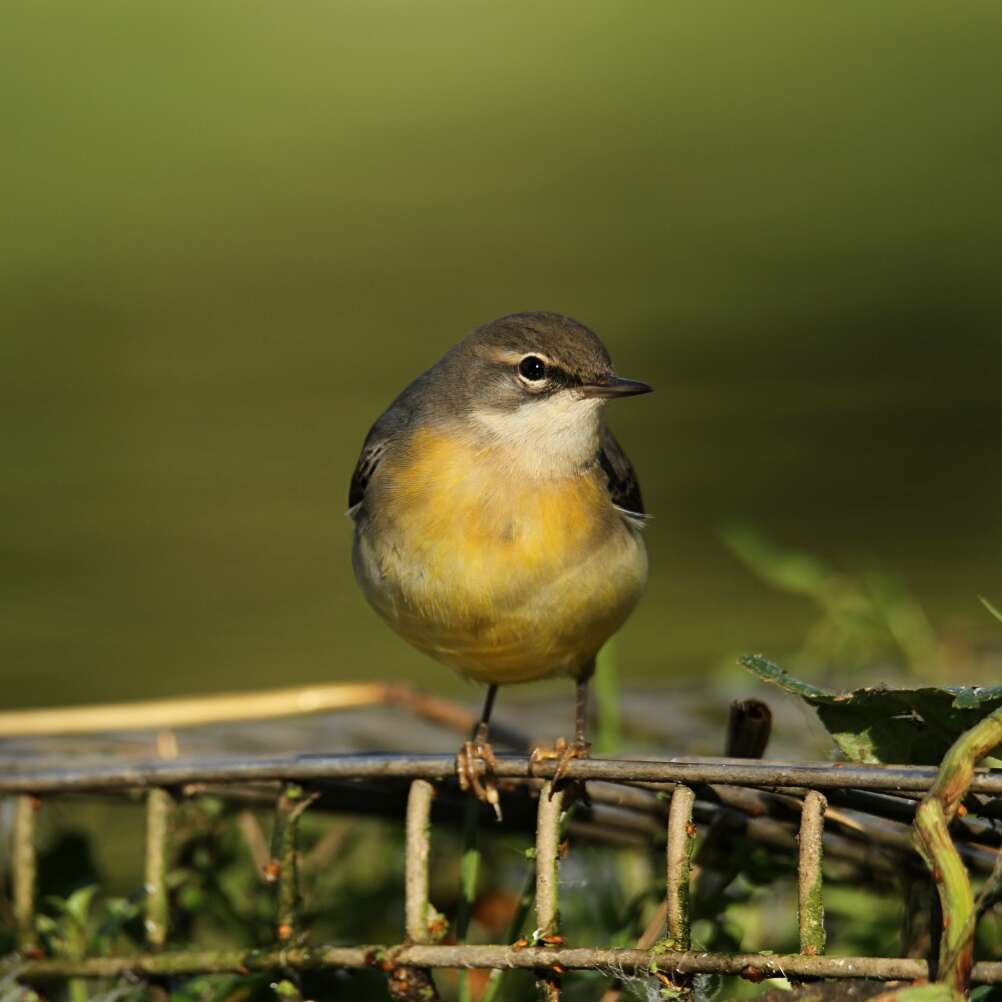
{"points": [[616, 387]]}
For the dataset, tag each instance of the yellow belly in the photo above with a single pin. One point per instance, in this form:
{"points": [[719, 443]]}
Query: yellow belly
{"points": [[504, 578]]}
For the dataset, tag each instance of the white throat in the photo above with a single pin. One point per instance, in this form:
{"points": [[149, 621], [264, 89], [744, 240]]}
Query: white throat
{"points": [[554, 436]]}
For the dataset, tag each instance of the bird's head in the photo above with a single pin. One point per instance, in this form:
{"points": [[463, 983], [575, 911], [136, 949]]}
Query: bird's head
{"points": [[536, 383]]}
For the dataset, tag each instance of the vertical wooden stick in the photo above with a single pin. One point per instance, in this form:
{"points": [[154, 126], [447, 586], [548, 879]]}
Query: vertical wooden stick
{"points": [[417, 851], [681, 833], [548, 860], [284, 866], [415, 984], [811, 912], [551, 804], [25, 872], [159, 809]]}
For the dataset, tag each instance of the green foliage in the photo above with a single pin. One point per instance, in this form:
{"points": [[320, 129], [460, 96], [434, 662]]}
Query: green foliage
{"points": [[83, 924], [889, 725], [216, 897], [986, 993], [864, 921], [863, 618], [608, 736]]}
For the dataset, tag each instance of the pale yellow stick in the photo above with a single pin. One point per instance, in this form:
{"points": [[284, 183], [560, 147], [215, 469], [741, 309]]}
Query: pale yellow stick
{"points": [[193, 711]]}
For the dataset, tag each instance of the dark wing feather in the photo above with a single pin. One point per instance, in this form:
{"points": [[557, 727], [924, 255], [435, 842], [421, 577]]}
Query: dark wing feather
{"points": [[390, 427], [372, 452], [623, 486]]}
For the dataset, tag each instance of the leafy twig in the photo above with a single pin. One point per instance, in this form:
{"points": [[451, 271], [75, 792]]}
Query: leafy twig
{"points": [[932, 839]]}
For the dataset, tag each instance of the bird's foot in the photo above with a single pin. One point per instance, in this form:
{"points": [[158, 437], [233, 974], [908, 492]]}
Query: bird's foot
{"points": [[563, 752], [475, 767]]}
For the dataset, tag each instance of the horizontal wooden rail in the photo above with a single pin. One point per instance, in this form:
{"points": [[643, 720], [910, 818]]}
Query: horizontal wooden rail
{"points": [[750, 965], [14, 778]]}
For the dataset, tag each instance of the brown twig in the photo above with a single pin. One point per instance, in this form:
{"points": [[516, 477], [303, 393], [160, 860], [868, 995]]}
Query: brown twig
{"points": [[254, 838]]}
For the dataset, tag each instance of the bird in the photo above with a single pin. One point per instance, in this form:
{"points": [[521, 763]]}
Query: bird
{"points": [[497, 521]]}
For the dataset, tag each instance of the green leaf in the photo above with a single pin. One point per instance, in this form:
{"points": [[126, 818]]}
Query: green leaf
{"points": [[928, 993], [915, 726], [991, 608], [78, 904]]}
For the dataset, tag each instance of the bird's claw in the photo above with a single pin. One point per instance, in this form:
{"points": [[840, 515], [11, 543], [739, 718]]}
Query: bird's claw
{"points": [[475, 768], [563, 752]]}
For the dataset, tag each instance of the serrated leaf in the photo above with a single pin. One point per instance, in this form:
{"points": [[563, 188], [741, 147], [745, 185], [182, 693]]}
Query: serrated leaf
{"points": [[881, 724]]}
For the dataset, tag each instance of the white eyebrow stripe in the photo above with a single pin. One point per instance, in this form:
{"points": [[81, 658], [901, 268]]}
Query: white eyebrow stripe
{"points": [[516, 356]]}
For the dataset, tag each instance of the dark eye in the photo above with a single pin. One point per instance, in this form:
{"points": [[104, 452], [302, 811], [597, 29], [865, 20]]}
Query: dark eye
{"points": [[532, 368]]}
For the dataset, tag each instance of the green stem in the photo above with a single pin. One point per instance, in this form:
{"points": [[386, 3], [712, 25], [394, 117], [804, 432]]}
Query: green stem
{"points": [[514, 929], [469, 875], [932, 839], [609, 720], [284, 866]]}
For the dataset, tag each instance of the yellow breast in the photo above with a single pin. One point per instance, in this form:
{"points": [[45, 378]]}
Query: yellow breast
{"points": [[505, 577], [467, 510]]}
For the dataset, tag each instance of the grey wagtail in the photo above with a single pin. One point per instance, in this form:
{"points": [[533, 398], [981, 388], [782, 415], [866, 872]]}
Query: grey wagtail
{"points": [[498, 521]]}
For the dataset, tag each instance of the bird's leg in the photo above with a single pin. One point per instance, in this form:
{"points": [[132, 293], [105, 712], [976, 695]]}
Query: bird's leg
{"points": [[561, 750], [476, 751], [581, 715], [581, 748]]}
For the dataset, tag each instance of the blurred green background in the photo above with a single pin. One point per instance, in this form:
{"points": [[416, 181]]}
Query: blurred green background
{"points": [[231, 232]]}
